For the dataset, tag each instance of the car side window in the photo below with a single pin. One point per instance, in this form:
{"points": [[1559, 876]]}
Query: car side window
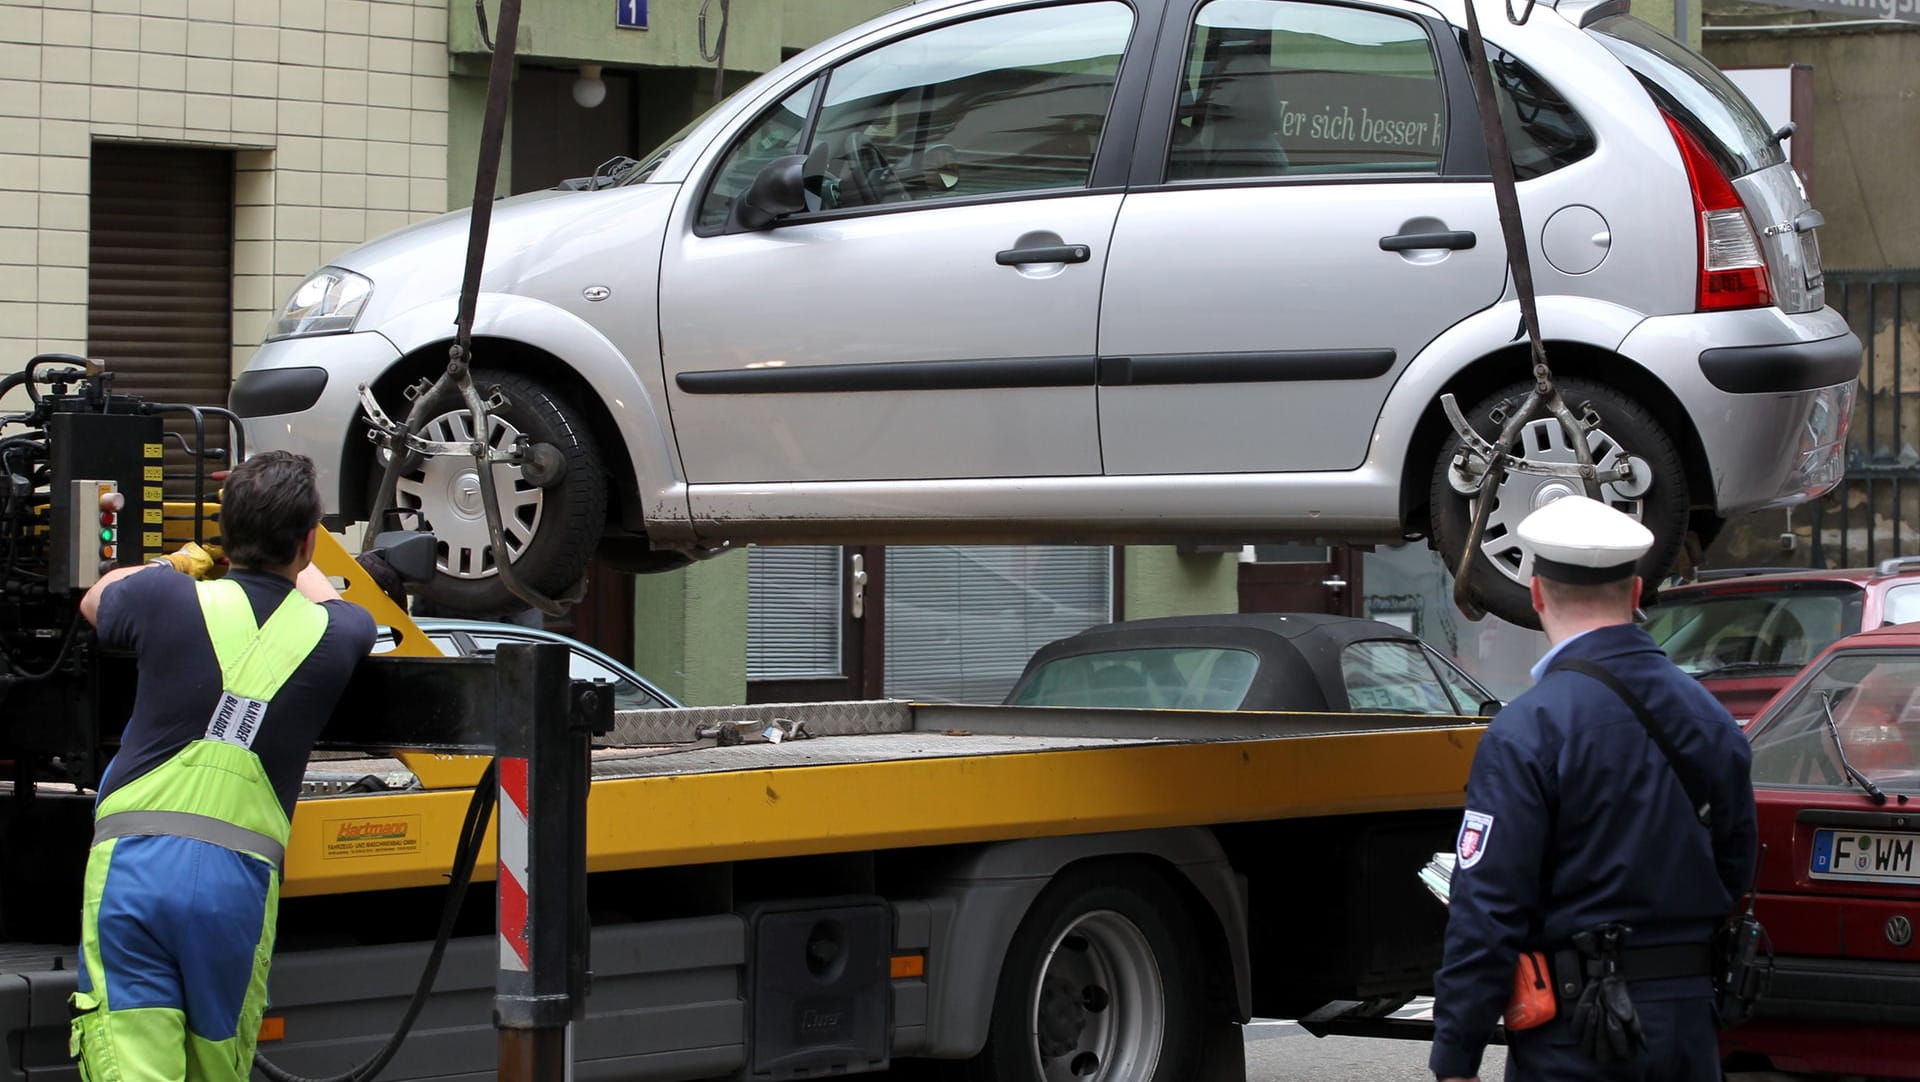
{"points": [[1467, 695], [1543, 131], [1391, 678], [1006, 103], [1282, 88], [1902, 605], [775, 135]]}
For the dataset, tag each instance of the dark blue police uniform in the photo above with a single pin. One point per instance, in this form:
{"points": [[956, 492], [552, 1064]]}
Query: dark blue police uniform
{"points": [[1575, 819]]}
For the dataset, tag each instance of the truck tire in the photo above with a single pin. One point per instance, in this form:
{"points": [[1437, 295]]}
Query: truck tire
{"points": [[551, 531], [1498, 578], [1102, 983]]}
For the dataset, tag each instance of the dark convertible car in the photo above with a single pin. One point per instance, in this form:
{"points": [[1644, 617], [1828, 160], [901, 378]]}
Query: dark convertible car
{"points": [[1250, 661]]}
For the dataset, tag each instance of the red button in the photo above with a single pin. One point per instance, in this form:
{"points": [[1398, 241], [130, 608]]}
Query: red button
{"points": [[108, 518]]}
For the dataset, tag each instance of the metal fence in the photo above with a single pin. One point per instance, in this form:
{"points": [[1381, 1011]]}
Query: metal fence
{"points": [[1874, 513]]}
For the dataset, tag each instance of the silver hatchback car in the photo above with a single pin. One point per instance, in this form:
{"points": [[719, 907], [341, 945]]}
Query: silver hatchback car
{"points": [[1107, 270]]}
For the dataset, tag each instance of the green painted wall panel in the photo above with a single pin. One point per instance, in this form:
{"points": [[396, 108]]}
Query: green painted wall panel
{"points": [[690, 630], [1158, 581]]}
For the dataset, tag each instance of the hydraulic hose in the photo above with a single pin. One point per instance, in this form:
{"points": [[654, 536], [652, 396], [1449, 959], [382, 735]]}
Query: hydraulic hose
{"points": [[472, 831]]}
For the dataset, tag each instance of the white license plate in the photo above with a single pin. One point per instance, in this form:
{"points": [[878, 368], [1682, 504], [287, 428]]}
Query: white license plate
{"points": [[1865, 855]]}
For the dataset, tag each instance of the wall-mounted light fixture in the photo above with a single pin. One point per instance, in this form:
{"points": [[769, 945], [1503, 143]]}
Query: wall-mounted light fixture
{"points": [[588, 89]]}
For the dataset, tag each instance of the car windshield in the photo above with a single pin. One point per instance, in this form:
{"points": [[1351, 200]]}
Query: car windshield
{"points": [[1754, 629], [1186, 678], [658, 155], [1685, 83], [627, 693], [1875, 701]]}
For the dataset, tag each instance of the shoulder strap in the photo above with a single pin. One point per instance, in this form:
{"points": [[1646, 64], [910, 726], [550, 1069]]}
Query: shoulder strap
{"points": [[1689, 781], [256, 660]]}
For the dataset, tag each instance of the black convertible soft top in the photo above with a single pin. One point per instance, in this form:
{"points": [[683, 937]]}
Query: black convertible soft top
{"points": [[1299, 652]]}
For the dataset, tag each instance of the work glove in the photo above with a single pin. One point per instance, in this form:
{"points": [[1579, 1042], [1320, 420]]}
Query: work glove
{"points": [[196, 561], [1604, 1017]]}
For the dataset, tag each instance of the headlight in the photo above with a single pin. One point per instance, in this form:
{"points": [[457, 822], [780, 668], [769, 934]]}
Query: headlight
{"points": [[326, 303]]}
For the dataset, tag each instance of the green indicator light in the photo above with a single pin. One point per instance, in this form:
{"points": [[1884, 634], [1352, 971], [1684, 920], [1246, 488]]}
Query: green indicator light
{"points": [[106, 535]]}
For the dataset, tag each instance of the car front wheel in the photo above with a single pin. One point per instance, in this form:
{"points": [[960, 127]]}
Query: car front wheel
{"points": [[1499, 576], [550, 529]]}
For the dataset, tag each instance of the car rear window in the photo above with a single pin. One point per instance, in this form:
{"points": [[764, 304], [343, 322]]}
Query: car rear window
{"points": [[1688, 86], [1753, 629], [1874, 699], [1186, 678]]}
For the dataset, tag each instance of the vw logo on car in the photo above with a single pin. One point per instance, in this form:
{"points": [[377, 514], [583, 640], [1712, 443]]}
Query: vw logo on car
{"points": [[1899, 930]]}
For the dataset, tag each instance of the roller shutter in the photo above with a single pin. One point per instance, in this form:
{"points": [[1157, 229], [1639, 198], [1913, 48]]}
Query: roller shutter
{"points": [[160, 279]]}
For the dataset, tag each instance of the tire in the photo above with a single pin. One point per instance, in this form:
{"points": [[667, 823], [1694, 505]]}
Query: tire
{"points": [[551, 532], [1498, 578], [1123, 940]]}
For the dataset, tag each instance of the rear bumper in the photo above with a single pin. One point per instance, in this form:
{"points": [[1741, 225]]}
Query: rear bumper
{"points": [[1842, 990], [1835, 1016], [1769, 394], [1796, 366]]}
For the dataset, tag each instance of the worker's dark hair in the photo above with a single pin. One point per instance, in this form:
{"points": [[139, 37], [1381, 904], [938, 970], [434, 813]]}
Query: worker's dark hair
{"points": [[267, 506]]}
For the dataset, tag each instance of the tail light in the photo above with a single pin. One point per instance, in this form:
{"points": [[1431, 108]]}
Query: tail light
{"points": [[1733, 269]]}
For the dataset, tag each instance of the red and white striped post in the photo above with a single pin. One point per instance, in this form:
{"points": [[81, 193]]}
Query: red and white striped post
{"points": [[542, 771]]}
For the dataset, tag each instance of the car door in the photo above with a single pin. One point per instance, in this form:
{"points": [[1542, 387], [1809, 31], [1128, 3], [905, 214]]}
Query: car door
{"points": [[1302, 232], [933, 313]]}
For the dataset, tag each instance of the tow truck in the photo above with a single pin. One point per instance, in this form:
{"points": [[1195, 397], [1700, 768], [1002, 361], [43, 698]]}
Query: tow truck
{"points": [[775, 891]]}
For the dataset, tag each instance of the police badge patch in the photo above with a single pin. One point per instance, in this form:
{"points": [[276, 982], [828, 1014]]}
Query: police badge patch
{"points": [[1472, 843]]}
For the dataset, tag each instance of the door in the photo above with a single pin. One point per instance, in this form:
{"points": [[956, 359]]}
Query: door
{"points": [[814, 622], [933, 314], [1308, 206], [1302, 578]]}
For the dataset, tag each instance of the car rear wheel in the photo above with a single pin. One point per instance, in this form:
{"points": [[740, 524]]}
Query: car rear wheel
{"points": [[1499, 576], [550, 529]]}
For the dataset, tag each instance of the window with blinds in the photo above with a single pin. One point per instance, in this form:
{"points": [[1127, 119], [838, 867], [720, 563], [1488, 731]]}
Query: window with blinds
{"points": [[961, 621], [793, 612]]}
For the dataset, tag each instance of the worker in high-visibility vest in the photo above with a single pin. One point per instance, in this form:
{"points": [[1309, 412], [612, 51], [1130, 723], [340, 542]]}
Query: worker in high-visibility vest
{"points": [[237, 676]]}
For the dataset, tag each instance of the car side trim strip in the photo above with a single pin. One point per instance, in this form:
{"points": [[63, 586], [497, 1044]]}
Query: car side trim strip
{"points": [[964, 375], [1797, 366], [894, 376], [1280, 366]]}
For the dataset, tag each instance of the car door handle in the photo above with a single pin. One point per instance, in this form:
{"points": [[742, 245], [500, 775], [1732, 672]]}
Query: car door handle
{"points": [[1456, 239], [1052, 253]]}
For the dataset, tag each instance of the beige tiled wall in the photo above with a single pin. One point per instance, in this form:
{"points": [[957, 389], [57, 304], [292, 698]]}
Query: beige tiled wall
{"points": [[337, 109]]}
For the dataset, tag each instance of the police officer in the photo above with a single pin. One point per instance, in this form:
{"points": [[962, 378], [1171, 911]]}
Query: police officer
{"points": [[1581, 840], [236, 678]]}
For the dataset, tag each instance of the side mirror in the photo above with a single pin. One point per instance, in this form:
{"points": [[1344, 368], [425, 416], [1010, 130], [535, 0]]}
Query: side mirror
{"points": [[778, 190], [411, 553], [1490, 708]]}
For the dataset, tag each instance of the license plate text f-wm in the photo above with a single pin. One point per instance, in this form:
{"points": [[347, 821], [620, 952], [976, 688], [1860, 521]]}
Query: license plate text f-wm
{"points": [[1865, 856]]}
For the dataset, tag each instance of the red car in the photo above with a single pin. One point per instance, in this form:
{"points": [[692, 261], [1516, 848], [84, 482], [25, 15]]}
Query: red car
{"points": [[1745, 634], [1836, 774]]}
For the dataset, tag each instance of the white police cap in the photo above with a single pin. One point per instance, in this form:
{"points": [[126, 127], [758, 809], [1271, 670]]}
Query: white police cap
{"points": [[1583, 541]]}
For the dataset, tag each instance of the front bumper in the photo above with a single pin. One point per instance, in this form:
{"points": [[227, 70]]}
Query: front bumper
{"points": [[282, 375], [1769, 395]]}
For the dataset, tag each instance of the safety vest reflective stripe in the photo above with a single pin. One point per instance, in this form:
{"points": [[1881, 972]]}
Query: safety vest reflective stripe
{"points": [[188, 825]]}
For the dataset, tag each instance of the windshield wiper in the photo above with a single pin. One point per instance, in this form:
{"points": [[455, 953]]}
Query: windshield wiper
{"points": [[1826, 703], [1746, 666]]}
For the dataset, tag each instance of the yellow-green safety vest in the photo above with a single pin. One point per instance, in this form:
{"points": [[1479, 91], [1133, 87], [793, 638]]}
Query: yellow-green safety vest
{"points": [[215, 789]]}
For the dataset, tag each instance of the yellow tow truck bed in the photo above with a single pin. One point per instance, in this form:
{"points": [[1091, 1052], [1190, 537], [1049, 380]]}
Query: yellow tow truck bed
{"points": [[896, 775]]}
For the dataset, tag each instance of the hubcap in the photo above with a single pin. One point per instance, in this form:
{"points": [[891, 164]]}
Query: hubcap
{"points": [[1520, 494], [445, 490], [1099, 1008]]}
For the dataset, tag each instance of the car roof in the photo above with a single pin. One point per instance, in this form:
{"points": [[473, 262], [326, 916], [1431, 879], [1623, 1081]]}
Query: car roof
{"points": [[1299, 652]]}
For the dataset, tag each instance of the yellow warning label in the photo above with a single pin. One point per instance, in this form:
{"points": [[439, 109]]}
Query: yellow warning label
{"points": [[370, 837], [152, 516], [152, 539], [151, 450], [153, 494], [152, 473]]}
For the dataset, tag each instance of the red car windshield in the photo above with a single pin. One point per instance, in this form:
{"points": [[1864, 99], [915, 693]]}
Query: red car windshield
{"points": [[1873, 698], [1732, 630]]}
